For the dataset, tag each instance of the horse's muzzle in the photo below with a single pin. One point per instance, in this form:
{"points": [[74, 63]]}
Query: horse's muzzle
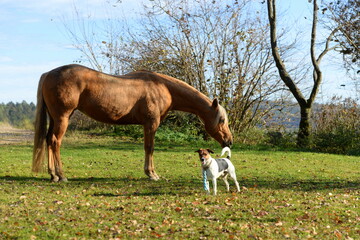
{"points": [[227, 144]]}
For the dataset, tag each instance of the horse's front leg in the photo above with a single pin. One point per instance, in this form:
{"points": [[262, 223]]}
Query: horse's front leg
{"points": [[149, 141]]}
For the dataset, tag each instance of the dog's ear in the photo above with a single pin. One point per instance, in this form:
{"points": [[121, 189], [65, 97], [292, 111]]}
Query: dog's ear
{"points": [[209, 150], [198, 151]]}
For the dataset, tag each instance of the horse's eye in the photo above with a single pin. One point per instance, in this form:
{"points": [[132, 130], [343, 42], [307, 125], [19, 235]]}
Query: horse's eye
{"points": [[221, 120]]}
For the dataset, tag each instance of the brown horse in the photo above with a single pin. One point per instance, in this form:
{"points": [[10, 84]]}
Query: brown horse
{"points": [[139, 97]]}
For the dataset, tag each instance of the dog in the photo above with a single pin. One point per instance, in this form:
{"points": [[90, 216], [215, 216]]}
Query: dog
{"points": [[215, 168]]}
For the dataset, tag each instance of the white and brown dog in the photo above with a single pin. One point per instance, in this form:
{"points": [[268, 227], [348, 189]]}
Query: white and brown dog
{"points": [[215, 168]]}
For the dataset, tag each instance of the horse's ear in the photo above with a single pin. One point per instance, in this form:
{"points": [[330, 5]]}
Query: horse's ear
{"points": [[215, 103]]}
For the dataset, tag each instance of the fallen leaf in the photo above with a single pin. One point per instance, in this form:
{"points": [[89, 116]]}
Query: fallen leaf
{"points": [[303, 217], [338, 234], [279, 224], [244, 188], [262, 213]]}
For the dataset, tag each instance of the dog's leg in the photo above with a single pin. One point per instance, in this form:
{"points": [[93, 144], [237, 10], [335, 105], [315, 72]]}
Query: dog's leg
{"points": [[208, 187], [214, 185], [226, 182], [233, 176], [237, 185]]}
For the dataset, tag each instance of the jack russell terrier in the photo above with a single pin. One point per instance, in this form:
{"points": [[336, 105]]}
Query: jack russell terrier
{"points": [[215, 168]]}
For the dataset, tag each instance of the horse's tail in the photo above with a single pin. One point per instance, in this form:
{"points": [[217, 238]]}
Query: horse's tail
{"points": [[226, 150], [40, 130]]}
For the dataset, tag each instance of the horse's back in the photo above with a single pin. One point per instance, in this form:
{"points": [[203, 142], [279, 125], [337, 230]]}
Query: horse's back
{"points": [[123, 100]]}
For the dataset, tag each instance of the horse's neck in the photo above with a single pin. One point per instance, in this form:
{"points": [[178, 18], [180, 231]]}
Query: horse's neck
{"points": [[192, 101], [186, 98]]}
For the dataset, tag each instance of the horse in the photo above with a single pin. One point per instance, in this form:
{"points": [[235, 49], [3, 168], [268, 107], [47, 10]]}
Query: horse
{"points": [[140, 97]]}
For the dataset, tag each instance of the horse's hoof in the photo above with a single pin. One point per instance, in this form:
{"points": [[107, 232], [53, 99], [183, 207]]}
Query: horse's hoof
{"points": [[55, 179], [154, 177], [64, 179]]}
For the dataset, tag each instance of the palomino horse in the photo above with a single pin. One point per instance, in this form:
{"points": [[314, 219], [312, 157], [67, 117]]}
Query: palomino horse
{"points": [[139, 97]]}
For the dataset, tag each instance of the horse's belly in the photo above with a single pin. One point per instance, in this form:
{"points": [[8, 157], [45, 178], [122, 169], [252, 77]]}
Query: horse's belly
{"points": [[109, 115], [124, 105]]}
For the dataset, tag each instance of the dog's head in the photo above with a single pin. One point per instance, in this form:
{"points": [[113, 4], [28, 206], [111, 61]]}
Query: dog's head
{"points": [[205, 157]]}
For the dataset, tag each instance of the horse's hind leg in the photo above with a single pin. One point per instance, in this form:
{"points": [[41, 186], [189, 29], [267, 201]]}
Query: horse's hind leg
{"points": [[54, 143], [51, 165]]}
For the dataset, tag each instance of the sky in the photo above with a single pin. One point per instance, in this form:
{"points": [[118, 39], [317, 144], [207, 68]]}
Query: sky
{"points": [[33, 40]]}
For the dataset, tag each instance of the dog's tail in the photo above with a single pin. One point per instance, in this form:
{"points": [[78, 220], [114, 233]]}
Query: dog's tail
{"points": [[226, 150]]}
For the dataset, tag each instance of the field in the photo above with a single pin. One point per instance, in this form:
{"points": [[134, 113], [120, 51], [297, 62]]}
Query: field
{"points": [[284, 195]]}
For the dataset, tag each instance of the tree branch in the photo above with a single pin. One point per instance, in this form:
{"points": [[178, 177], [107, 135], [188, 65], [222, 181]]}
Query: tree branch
{"points": [[275, 51]]}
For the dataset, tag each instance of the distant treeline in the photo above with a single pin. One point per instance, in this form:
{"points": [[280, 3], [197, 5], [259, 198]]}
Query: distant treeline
{"points": [[336, 126], [18, 114]]}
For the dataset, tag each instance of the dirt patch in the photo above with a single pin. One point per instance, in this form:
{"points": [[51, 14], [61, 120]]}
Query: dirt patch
{"points": [[11, 135]]}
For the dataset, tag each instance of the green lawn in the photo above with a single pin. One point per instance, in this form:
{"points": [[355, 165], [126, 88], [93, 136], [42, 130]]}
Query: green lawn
{"points": [[285, 194]]}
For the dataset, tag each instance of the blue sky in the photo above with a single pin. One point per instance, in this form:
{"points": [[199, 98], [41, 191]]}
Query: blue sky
{"points": [[33, 41]]}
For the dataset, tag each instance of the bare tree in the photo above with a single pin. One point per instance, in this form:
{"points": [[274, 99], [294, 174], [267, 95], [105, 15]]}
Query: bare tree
{"points": [[102, 43], [305, 104], [344, 16], [219, 48]]}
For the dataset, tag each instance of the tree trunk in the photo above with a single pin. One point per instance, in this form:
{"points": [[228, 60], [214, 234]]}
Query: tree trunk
{"points": [[303, 138]]}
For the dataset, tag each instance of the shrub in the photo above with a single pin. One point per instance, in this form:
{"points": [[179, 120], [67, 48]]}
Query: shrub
{"points": [[337, 127], [251, 136], [177, 126], [281, 139]]}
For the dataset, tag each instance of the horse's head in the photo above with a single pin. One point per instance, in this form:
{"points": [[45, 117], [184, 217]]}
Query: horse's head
{"points": [[216, 124]]}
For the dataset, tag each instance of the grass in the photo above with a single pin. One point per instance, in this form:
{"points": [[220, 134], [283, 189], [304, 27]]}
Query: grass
{"points": [[285, 195]]}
